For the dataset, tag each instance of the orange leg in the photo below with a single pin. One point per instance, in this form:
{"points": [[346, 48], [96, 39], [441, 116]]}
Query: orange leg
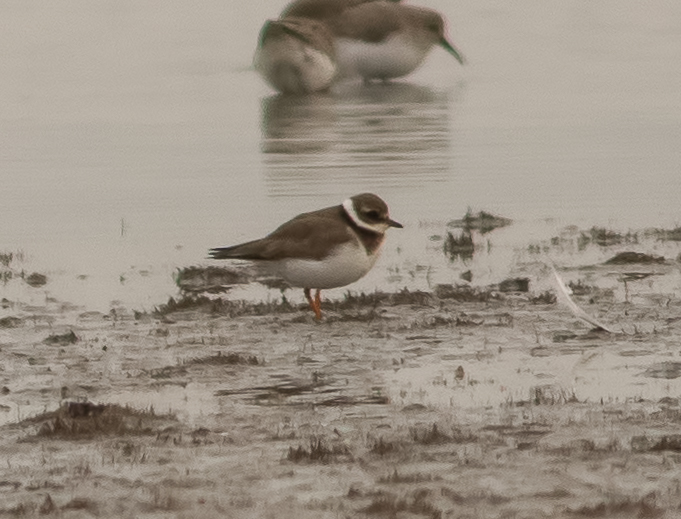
{"points": [[318, 304], [315, 304]]}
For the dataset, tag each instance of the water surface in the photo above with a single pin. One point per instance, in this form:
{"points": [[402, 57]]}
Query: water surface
{"points": [[133, 137]]}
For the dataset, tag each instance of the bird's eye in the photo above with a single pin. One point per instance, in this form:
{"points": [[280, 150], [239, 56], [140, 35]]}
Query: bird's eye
{"points": [[373, 215], [434, 27]]}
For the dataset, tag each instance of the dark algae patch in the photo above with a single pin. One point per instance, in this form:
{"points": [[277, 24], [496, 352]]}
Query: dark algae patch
{"points": [[210, 279], [79, 420], [36, 280], [318, 450], [669, 370], [10, 322], [459, 246], [62, 339], [481, 221], [634, 258]]}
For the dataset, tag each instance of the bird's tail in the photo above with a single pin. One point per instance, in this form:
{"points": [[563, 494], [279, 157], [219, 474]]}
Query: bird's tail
{"points": [[224, 253], [251, 250]]}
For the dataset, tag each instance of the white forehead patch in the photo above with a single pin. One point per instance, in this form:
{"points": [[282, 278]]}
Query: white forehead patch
{"points": [[349, 207]]}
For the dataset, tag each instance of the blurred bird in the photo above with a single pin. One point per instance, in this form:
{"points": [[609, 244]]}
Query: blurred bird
{"points": [[377, 39], [296, 55]]}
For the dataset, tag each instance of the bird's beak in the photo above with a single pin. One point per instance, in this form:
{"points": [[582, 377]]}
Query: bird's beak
{"points": [[393, 223], [444, 43]]}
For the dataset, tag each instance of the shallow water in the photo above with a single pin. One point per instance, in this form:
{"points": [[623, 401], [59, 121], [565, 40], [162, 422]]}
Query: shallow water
{"points": [[133, 137]]}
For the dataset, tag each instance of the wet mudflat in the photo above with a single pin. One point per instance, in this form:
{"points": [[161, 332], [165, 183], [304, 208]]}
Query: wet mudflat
{"points": [[136, 138], [462, 401]]}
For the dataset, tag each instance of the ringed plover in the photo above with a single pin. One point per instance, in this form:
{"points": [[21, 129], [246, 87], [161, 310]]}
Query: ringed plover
{"points": [[328, 248]]}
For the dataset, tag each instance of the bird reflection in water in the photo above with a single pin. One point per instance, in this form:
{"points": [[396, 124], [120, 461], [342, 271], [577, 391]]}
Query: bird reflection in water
{"points": [[361, 136]]}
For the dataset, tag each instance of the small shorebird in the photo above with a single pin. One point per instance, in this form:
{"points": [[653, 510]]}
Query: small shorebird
{"points": [[328, 248], [296, 55], [377, 39]]}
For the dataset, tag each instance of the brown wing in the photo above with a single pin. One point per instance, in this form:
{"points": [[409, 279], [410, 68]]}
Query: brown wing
{"points": [[358, 22], [320, 9], [307, 236]]}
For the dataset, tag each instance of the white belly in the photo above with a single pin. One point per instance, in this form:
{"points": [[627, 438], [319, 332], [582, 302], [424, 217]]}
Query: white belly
{"points": [[346, 266], [395, 57], [291, 66]]}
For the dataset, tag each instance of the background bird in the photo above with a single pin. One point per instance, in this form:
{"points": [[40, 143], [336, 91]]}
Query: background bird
{"points": [[296, 55], [377, 39]]}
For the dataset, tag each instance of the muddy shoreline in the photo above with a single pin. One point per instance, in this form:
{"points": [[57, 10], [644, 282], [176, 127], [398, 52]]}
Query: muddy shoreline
{"points": [[410, 404]]}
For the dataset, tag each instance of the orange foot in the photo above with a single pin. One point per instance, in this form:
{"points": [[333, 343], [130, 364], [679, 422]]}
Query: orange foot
{"points": [[315, 304]]}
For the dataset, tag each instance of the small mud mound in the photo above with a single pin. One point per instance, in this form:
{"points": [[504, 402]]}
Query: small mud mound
{"points": [[206, 304], [432, 435], [605, 237], [6, 258], [666, 234], [375, 299], [62, 339], [85, 420], [619, 507], [629, 258], [515, 285], [481, 221], [668, 442], [319, 450], [304, 392], [10, 322], [238, 308], [668, 370], [465, 293], [36, 280], [459, 247], [230, 359], [415, 504], [212, 280]]}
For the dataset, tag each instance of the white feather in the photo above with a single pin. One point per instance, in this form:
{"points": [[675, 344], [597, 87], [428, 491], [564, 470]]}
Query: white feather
{"points": [[576, 310]]}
